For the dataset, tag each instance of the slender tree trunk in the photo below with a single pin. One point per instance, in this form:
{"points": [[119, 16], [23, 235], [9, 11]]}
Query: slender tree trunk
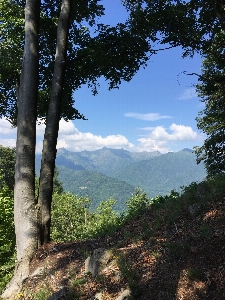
{"points": [[25, 212], [52, 124]]}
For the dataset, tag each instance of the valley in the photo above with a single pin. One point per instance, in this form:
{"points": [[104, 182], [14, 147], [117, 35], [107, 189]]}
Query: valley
{"points": [[116, 173]]}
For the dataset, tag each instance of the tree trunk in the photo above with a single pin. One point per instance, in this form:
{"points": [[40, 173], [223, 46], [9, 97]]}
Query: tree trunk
{"points": [[25, 211], [52, 124]]}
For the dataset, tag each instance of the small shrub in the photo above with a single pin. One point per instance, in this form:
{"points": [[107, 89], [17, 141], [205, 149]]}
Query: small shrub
{"points": [[136, 204], [158, 202], [129, 274], [105, 220], [165, 201], [189, 193], [42, 294], [71, 219], [217, 185], [157, 223]]}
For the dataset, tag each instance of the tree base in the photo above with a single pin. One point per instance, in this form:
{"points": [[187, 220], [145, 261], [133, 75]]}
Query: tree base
{"points": [[21, 273]]}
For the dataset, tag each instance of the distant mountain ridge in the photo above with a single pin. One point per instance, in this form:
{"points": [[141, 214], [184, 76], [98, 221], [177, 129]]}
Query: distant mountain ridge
{"points": [[104, 160], [106, 172]]}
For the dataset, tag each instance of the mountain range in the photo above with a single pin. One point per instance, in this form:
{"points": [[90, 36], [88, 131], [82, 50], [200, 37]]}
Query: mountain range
{"points": [[116, 173]]}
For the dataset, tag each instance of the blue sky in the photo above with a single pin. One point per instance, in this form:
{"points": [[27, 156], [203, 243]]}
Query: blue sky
{"points": [[156, 110]]}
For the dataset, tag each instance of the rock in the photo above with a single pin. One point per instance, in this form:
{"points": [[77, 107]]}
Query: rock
{"points": [[37, 272], [98, 261], [98, 296], [126, 295]]}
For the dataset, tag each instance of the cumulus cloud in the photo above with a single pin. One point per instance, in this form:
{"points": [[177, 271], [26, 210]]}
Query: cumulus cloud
{"points": [[148, 144], [188, 94], [69, 137], [147, 128], [40, 129], [8, 142], [146, 117], [74, 140], [6, 127], [178, 133], [160, 138], [155, 138], [7, 134]]}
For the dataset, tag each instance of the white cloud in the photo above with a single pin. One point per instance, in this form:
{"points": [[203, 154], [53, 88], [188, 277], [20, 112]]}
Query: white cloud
{"points": [[147, 128], [177, 133], [160, 138], [72, 139], [40, 129], [67, 128], [6, 127], [157, 138], [182, 133], [188, 94], [8, 142], [7, 134], [69, 137], [147, 117], [148, 144]]}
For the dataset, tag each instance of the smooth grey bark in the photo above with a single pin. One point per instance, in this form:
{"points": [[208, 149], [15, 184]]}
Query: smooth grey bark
{"points": [[52, 124], [25, 211]]}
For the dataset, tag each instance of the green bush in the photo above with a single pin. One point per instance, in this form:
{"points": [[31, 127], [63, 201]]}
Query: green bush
{"points": [[164, 201], [105, 219], [136, 204], [7, 237], [130, 274], [217, 185], [71, 219]]}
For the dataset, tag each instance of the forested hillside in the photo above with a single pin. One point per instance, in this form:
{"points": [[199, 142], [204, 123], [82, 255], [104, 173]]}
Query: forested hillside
{"points": [[116, 173], [96, 186], [159, 175]]}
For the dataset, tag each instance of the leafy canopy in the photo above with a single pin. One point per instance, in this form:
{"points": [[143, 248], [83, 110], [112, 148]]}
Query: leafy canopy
{"points": [[191, 24], [7, 167], [94, 50], [211, 119]]}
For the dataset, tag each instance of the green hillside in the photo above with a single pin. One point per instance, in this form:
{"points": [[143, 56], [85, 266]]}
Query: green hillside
{"points": [[159, 175], [96, 186], [106, 173]]}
